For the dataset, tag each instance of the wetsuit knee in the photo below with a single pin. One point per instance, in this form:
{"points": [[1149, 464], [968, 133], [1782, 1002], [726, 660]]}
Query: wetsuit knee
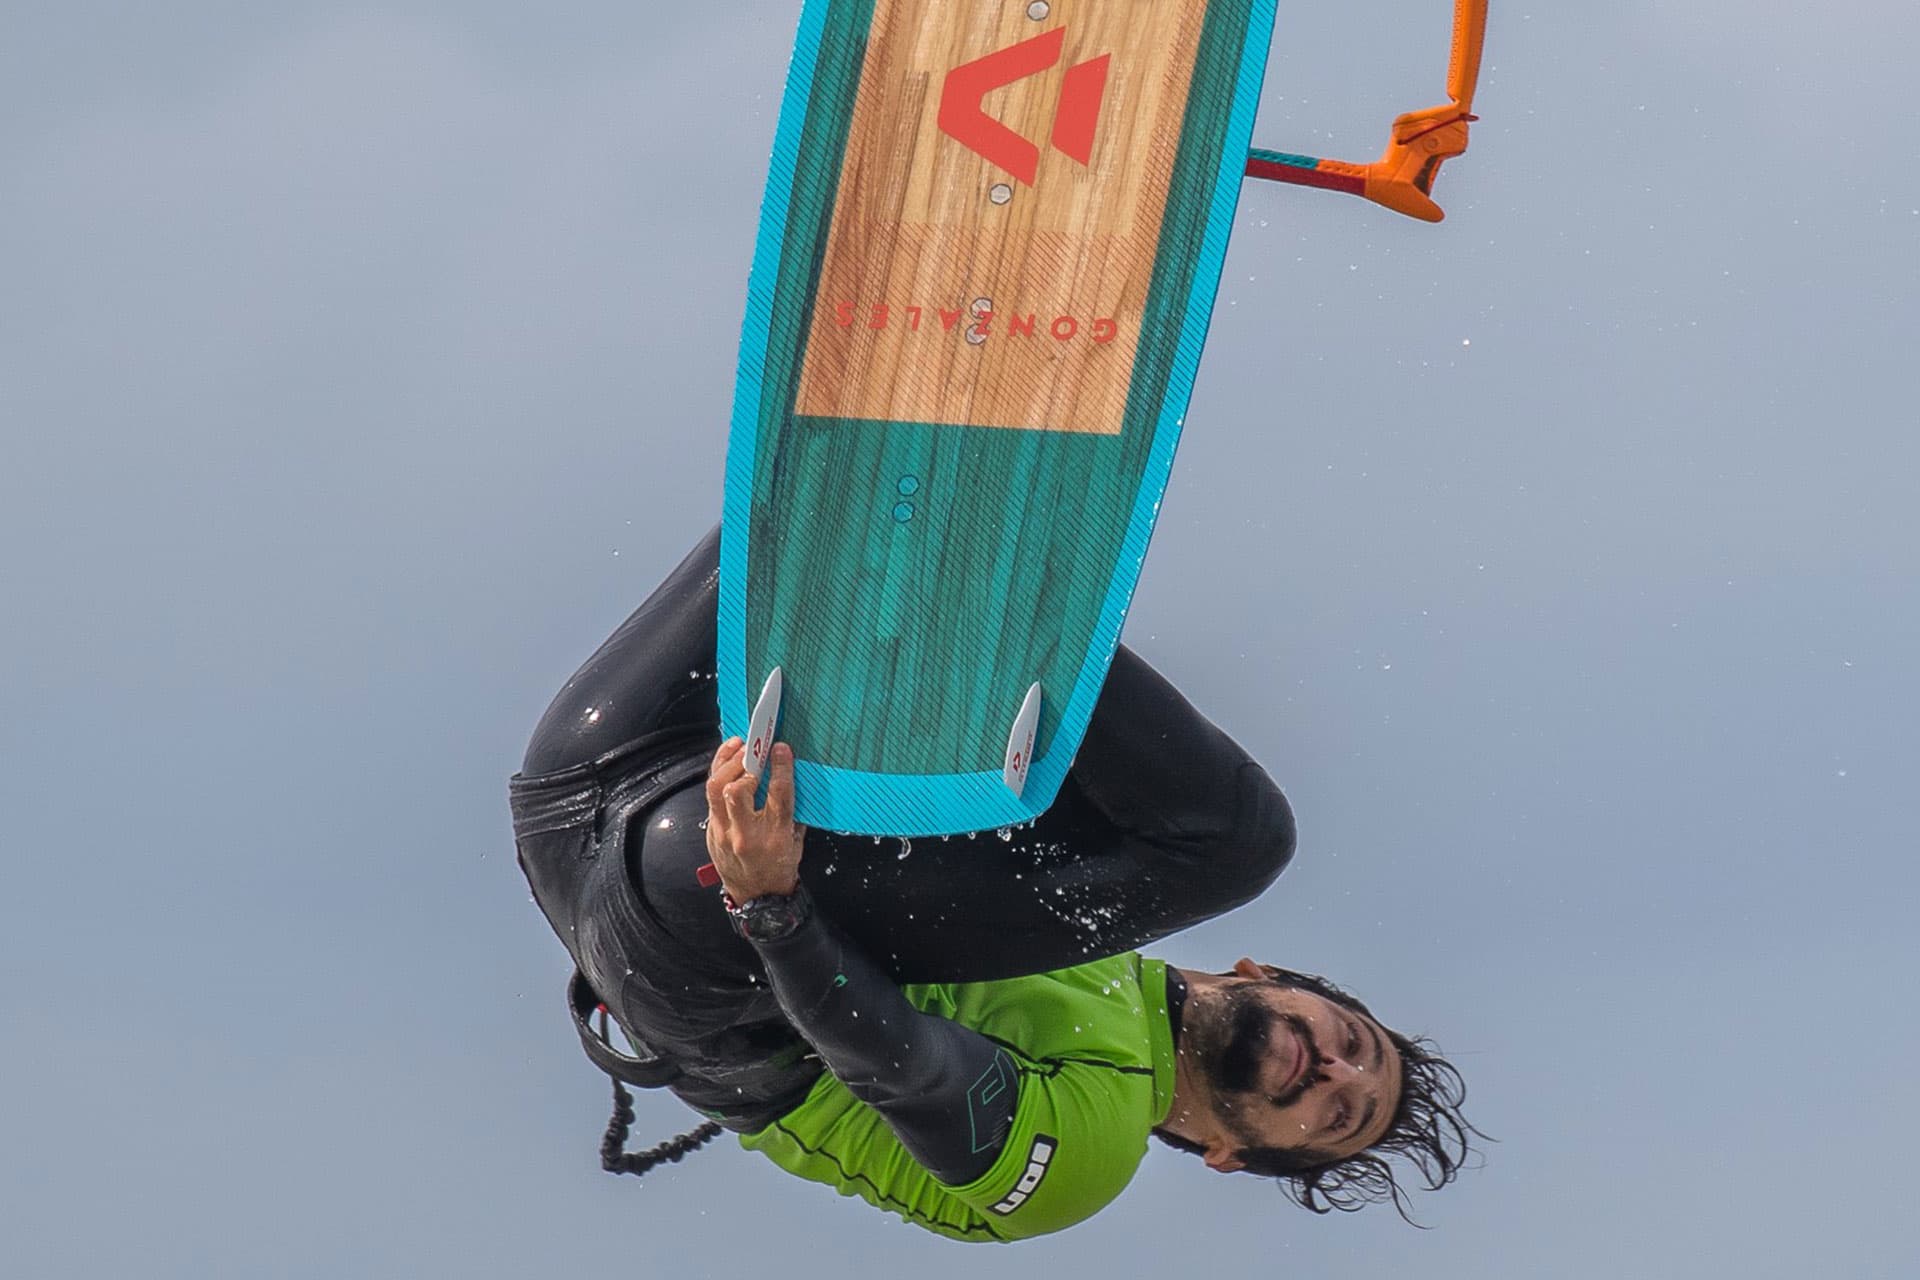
{"points": [[1283, 836], [1266, 838], [570, 734], [656, 672]]}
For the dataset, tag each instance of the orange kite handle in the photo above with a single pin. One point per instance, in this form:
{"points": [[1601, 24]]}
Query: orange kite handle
{"points": [[1469, 37], [1421, 141]]}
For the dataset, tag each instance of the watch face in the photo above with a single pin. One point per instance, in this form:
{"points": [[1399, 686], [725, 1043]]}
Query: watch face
{"points": [[770, 918]]}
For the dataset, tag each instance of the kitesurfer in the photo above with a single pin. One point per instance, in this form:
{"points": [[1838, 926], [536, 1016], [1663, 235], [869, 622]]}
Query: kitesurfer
{"points": [[957, 1030]]}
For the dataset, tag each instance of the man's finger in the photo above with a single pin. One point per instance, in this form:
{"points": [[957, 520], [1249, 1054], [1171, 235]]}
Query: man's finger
{"points": [[723, 777], [739, 795], [725, 768], [780, 787]]}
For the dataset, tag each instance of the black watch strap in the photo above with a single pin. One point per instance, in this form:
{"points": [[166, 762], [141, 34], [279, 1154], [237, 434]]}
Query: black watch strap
{"points": [[771, 917]]}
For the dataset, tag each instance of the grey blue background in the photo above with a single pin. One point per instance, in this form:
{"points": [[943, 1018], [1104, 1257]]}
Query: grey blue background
{"points": [[361, 365]]}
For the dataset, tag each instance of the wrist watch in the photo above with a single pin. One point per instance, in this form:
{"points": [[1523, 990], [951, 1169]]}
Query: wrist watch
{"points": [[769, 917]]}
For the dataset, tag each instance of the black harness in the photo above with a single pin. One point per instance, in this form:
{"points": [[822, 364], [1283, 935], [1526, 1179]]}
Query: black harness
{"points": [[723, 1048]]}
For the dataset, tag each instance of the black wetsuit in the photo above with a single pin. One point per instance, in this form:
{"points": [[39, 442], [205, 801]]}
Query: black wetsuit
{"points": [[1162, 822]]}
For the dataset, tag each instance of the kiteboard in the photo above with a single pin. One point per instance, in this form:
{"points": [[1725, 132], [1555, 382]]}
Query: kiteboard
{"points": [[988, 256]]}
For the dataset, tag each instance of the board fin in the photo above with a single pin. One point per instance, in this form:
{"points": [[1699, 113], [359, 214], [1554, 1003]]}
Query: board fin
{"points": [[761, 728], [1020, 741]]}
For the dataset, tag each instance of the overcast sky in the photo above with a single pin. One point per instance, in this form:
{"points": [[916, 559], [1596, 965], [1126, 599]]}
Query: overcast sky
{"points": [[362, 365]]}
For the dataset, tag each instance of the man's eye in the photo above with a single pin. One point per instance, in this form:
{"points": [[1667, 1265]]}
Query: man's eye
{"points": [[1353, 1044]]}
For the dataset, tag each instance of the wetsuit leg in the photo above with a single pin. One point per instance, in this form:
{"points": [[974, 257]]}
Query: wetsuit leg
{"points": [[1163, 822]]}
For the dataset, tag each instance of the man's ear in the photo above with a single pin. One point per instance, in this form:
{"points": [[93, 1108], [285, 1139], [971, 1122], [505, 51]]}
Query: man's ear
{"points": [[1245, 968], [1220, 1159]]}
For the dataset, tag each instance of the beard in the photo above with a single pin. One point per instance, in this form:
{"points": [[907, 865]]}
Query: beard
{"points": [[1231, 1037]]}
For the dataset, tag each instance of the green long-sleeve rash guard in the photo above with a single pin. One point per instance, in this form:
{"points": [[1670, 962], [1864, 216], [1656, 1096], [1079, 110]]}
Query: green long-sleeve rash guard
{"points": [[1093, 1050]]}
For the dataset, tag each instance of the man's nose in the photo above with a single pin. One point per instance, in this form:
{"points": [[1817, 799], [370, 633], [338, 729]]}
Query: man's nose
{"points": [[1337, 1070]]}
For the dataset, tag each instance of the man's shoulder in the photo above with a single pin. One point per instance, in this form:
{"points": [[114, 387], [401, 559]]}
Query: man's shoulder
{"points": [[1104, 1008]]}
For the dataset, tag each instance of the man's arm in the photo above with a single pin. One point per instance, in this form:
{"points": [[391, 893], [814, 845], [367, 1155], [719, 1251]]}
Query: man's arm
{"points": [[947, 1092]]}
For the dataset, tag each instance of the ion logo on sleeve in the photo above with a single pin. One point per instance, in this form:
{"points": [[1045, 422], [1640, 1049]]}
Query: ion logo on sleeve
{"points": [[1039, 1160]]}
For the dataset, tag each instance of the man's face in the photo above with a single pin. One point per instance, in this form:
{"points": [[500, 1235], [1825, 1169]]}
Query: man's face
{"points": [[1291, 1069]]}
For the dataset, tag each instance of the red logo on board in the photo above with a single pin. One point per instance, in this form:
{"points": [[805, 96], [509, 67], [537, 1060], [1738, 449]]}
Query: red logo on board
{"points": [[1075, 118], [888, 315]]}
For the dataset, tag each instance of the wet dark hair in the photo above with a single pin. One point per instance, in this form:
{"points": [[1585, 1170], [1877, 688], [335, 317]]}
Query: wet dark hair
{"points": [[1428, 1129]]}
